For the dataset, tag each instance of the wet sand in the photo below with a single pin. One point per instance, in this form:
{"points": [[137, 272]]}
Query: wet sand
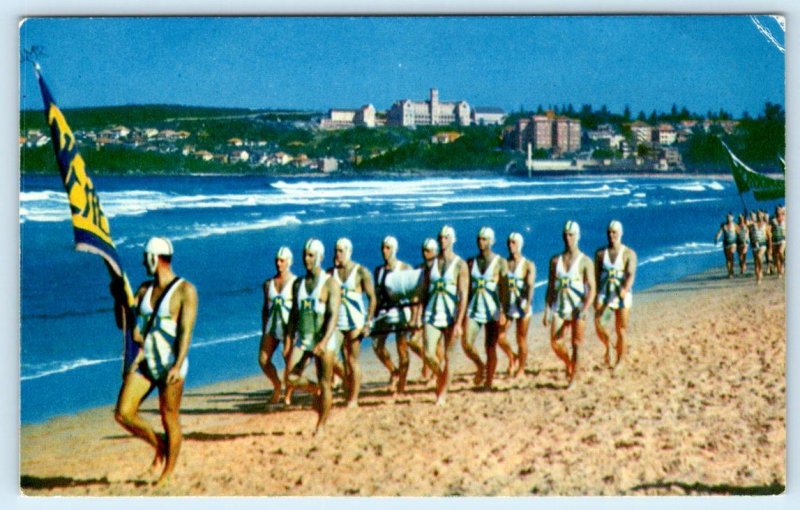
{"points": [[697, 406]]}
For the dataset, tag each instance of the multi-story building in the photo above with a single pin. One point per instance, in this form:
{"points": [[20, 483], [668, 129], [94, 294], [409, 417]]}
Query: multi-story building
{"points": [[667, 135], [342, 118], [642, 132], [559, 135], [488, 115], [408, 113]]}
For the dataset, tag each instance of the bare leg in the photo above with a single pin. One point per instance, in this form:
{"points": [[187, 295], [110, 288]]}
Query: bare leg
{"points": [[443, 376], [401, 339], [742, 259], [352, 343], [729, 259], [287, 358], [522, 344], [134, 390], [472, 329], [492, 332], [622, 332], [295, 378], [379, 346], [556, 336], [502, 342], [578, 327], [325, 400], [414, 340], [268, 345], [169, 399], [601, 318]]}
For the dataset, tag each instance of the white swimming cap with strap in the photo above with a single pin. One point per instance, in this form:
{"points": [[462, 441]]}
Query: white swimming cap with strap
{"points": [[487, 233], [615, 225], [284, 253], [315, 246], [346, 246], [517, 238], [391, 242], [431, 244], [155, 247], [572, 227], [448, 232]]}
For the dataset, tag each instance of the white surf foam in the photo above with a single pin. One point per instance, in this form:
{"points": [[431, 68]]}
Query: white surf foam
{"points": [[683, 250], [208, 230]]}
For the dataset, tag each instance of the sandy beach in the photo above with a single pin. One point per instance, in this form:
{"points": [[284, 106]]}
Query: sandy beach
{"points": [[696, 407]]}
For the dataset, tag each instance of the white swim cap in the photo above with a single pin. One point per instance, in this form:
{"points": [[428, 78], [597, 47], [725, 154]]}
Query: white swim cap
{"points": [[315, 246], [517, 238], [431, 244], [346, 246], [391, 242], [486, 233], [617, 225], [156, 246], [449, 232], [284, 253], [572, 227]]}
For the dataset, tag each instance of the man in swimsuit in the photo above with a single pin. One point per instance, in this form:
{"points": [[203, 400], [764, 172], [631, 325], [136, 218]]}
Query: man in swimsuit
{"points": [[760, 240], [166, 309], [741, 243], [778, 236], [278, 300], [486, 307], [615, 271], [520, 280], [727, 231], [392, 318], [313, 319], [430, 252], [445, 286], [570, 293], [354, 323]]}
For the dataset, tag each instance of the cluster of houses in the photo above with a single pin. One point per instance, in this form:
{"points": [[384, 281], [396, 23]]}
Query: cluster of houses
{"points": [[168, 141], [560, 137]]}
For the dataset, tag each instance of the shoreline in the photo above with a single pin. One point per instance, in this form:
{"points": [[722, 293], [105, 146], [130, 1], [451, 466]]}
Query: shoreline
{"points": [[670, 415], [418, 173]]}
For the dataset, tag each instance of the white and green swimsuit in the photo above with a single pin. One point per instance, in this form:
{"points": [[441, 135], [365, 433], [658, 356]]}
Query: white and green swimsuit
{"points": [[612, 276], [160, 349], [280, 307], [484, 306], [311, 314], [517, 291], [570, 289], [440, 312], [351, 310]]}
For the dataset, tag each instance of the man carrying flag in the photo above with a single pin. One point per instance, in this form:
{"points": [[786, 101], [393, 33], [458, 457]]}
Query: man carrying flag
{"points": [[159, 365], [166, 311]]}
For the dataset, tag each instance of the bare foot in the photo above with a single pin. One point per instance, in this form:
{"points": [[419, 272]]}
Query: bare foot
{"points": [[478, 379], [353, 404], [512, 362], [276, 395], [440, 401]]}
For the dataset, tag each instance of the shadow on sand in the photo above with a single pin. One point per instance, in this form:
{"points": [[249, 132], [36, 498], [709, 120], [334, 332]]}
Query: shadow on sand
{"points": [[57, 482], [772, 489]]}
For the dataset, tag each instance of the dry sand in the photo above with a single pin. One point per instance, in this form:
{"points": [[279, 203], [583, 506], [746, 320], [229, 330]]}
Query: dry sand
{"points": [[697, 407]]}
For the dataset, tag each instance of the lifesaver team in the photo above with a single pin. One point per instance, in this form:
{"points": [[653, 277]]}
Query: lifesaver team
{"points": [[324, 315]]}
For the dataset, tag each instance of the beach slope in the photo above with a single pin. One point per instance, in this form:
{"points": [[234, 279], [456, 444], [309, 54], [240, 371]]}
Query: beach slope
{"points": [[697, 407]]}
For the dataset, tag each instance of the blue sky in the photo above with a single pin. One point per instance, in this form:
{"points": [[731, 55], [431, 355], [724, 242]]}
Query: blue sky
{"points": [[647, 62]]}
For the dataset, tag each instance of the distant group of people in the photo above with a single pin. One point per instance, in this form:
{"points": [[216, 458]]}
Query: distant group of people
{"points": [[765, 236], [323, 316]]}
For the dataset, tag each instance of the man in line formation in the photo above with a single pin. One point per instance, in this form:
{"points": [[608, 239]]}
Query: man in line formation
{"points": [[766, 237], [325, 315]]}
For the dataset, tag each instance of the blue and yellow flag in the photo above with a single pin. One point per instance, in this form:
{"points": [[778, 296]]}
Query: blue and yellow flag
{"points": [[90, 225]]}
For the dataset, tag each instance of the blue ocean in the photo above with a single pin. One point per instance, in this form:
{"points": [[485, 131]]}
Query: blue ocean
{"points": [[226, 230]]}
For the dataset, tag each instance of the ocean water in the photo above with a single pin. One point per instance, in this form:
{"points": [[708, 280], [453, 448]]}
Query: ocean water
{"points": [[226, 230]]}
